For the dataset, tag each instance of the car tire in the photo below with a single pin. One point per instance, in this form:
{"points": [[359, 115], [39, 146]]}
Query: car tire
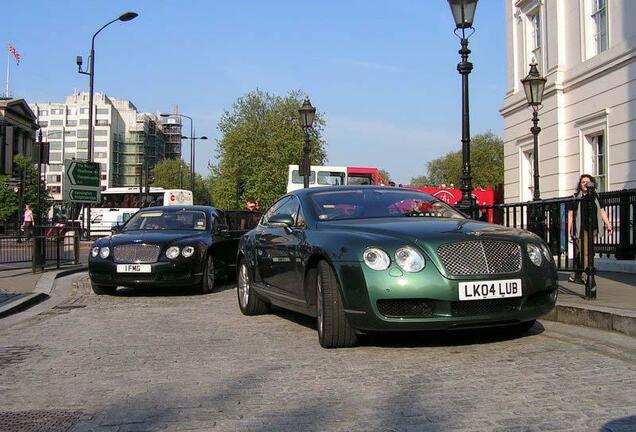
{"points": [[103, 289], [334, 330], [249, 302], [207, 278]]}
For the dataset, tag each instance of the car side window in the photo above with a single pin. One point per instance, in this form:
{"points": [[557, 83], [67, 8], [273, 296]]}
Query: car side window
{"points": [[290, 207], [273, 210]]}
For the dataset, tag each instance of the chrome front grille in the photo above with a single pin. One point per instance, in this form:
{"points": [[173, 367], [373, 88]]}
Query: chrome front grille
{"points": [[136, 253], [480, 257]]}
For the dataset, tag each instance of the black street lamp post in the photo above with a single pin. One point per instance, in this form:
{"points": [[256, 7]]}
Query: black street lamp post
{"points": [[307, 114], [534, 85], [91, 74], [191, 147], [192, 159], [463, 14]]}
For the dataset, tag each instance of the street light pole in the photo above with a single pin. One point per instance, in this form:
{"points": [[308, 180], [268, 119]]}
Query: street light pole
{"points": [[191, 147], [91, 74], [533, 86], [192, 140], [307, 114], [463, 14]]}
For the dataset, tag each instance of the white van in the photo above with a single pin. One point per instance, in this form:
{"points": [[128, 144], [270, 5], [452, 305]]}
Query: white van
{"points": [[320, 176]]}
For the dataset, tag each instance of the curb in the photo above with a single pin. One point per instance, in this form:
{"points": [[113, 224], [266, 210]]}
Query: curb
{"points": [[42, 290], [599, 317]]}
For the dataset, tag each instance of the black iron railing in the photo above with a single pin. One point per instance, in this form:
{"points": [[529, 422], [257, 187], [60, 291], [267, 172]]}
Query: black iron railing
{"points": [[40, 247], [551, 220]]}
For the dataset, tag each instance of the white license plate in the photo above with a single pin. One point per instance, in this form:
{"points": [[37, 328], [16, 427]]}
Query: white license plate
{"points": [[484, 290], [133, 268]]}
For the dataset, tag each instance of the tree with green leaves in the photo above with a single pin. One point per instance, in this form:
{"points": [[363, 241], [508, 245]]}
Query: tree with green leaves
{"points": [[31, 184], [261, 136], [420, 181], [8, 202], [167, 175], [486, 161], [386, 175]]}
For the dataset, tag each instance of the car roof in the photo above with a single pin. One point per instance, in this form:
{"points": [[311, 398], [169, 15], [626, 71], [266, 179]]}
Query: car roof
{"points": [[174, 208], [311, 191]]}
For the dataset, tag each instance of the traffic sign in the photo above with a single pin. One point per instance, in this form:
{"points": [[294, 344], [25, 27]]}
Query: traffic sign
{"points": [[80, 183]]}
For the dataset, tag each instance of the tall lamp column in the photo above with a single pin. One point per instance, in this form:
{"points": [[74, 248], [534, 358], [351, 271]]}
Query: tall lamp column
{"points": [[91, 74], [463, 14], [192, 159], [307, 114], [534, 85]]}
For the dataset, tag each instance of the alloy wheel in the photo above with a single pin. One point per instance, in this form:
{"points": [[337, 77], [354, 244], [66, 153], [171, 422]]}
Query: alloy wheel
{"points": [[319, 308], [243, 286]]}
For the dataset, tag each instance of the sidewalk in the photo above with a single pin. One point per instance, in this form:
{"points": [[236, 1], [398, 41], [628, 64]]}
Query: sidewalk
{"points": [[614, 308]]}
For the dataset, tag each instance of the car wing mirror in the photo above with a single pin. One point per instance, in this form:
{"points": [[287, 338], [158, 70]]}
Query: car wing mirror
{"points": [[281, 221], [115, 228], [222, 228]]}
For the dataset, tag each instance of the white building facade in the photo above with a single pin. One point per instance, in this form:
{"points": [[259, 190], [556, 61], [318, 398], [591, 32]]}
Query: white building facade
{"points": [[587, 50], [117, 144]]}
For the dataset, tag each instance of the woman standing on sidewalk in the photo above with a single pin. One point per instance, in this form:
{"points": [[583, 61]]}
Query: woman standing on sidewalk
{"points": [[28, 221], [579, 227]]}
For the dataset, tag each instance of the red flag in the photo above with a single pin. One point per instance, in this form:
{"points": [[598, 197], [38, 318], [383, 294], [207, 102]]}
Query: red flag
{"points": [[15, 54]]}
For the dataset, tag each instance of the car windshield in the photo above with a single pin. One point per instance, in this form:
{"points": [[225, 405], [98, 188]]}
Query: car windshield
{"points": [[181, 220], [379, 203]]}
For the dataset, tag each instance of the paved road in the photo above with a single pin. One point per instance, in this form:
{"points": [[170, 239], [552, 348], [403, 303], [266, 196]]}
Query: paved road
{"points": [[144, 361]]}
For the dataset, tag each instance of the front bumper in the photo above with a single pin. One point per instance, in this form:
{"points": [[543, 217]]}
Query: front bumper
{"points": [[396, 301], [162, 274]]}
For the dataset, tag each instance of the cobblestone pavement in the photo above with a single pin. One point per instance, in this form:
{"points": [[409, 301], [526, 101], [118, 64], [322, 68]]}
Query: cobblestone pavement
{"points": [[145, 361]]}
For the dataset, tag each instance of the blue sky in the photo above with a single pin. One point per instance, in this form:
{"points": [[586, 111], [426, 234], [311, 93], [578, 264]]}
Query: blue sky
{"points": [[383, 73]]}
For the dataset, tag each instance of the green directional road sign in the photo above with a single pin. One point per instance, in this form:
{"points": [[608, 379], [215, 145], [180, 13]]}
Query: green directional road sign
{"points": [[80, 182]]}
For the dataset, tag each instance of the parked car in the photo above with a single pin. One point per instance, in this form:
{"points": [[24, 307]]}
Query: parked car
{"points": [[172, 246], [367, 259]]}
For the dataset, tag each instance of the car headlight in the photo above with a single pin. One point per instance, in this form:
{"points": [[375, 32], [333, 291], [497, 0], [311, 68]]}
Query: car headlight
{"points": [[546, 252], [172, 252], [104, 252], [95, 251], [409, 259], [535, 254], [376, 259], [187, 251]]}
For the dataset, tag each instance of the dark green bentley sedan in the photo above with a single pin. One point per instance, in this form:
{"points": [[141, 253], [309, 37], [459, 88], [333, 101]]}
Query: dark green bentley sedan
{"points": [[366, 259]]}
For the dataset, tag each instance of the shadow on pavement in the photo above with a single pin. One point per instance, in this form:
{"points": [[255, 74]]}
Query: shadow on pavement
{"points": [[150, 291], [424, 338], [623, 424]]}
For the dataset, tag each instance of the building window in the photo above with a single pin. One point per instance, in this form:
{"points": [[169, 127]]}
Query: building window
{"points": [[69, 133], [55, 168], [527, 175], [101, 132], [57, 111], [43, 123], [83, 121], [598, 169], [104, 177], [54, 189], [55, 157], [71, 122], [83, 110], [101, 155], [82, 155], [536, 36], [54, 134], [100, 143], [599, 28], [82, 133], [57, 122], [44, 112], [101, 122], [53, 178], [55, 145], [82, 144], [102, 111], [70, 111]]}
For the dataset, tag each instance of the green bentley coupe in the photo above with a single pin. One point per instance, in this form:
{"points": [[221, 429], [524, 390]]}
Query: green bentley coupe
{"points": [[367, 259]]}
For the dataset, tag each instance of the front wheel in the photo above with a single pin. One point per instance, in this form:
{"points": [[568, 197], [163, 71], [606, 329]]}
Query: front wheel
{"points": [[207, 279], [249, 303], [334, 330]]}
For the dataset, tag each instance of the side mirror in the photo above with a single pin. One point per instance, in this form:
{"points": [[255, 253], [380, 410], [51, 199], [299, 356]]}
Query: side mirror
{"points": [[222, 228], [115, 229], [281, 221]]}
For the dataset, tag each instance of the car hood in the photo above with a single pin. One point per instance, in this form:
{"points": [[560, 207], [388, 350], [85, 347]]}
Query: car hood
{"points": [[162, 237], [428, 230]]}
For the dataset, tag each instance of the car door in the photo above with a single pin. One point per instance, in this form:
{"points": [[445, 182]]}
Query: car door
{"points": [[277, 248]]}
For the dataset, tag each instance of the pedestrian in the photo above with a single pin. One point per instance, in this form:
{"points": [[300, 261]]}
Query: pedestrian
{"points": [[250, 221], [251, 204], [579, 225], [27, 221]]}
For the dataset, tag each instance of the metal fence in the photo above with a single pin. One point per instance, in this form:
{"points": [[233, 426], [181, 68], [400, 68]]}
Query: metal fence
{"points": [[549, 219], [40, 247]]}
